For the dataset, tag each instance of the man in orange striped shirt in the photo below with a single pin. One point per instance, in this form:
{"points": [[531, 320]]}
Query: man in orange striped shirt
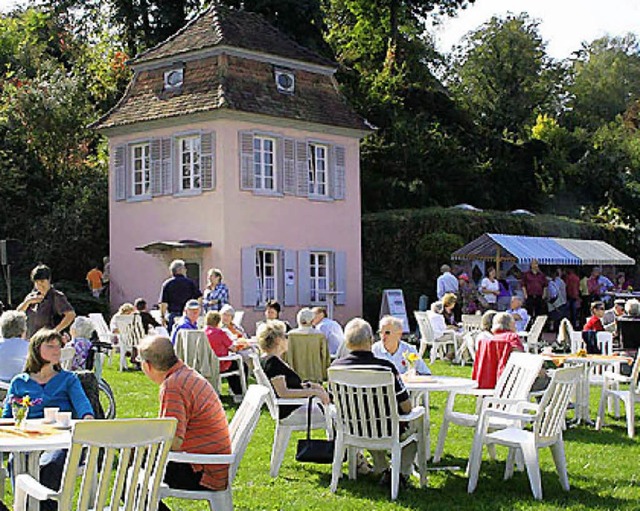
{"points": [[202, 423]]}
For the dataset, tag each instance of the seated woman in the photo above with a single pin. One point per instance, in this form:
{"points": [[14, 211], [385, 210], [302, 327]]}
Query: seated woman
{"points": [[437, 320], [448, 305], [272, 311], [221, 344], [486, 324], [81, 331], [285, 381], [304, 319], [44, 380], [230, 328], [125, 309]]}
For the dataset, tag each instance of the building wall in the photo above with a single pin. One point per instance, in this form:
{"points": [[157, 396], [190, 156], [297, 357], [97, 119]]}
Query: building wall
{"points": [[232, 219]]}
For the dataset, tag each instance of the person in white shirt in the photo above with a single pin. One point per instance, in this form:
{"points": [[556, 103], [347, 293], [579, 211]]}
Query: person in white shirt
{"points": [[13, 344], [490, 288], [446, 282], [520, 314], [436, 319], [330, 328], [392, 348]]}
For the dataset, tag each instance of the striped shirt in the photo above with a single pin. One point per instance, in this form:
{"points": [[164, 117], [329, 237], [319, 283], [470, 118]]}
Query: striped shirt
{"points": [[202, 423]]}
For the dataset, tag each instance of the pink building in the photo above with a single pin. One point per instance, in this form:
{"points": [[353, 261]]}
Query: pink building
{"points": [[233, 148]]}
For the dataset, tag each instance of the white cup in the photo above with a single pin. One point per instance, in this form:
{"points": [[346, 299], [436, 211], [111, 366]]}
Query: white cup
{"points": [[63, 419], [50, 415]]}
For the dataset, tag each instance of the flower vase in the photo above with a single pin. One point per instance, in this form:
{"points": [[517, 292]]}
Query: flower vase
{"points": [[20, 414], [411, 372]]}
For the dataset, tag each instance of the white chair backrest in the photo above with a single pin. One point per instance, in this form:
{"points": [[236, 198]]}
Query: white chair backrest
{"points": [[130, 329], [536, 328], [424, 324], [634, 386], [244, 423], [605, 341], [518, 376], [238, 317], [365, 402], [136, 448], [157, 315], [66, 357], [99, 323], [261, 378], [471, 323], [470, 342], [550, 419]]}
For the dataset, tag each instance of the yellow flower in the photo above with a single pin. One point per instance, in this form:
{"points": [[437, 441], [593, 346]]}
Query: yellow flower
{"points": [[26, 401]]}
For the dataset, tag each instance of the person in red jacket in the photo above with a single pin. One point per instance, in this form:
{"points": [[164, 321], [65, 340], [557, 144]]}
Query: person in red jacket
{"points": [[594, 323]]}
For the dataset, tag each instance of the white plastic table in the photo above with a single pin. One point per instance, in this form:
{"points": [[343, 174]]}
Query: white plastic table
{"points": [[421, 386], [22, 442]]}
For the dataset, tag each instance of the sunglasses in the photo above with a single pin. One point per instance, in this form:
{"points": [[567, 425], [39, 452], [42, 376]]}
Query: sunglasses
{"points": [[385, 332]]}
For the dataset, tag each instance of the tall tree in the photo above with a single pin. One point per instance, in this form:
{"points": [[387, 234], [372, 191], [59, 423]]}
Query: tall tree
{"points": [[502, 74], [604, 81]]}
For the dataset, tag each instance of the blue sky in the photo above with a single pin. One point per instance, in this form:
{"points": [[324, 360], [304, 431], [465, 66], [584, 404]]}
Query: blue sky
{"points": [[565, 24]]}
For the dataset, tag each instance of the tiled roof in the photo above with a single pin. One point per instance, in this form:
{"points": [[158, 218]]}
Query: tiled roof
{"points": [[221, 26], [242, 85]]}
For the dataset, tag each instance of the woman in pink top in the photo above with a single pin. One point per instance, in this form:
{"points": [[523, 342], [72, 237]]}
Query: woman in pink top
{"points": [[221, 344]]}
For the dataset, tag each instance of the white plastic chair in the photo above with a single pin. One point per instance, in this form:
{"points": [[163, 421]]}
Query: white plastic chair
{"points": [[547, 420], [286, 426], [513, 385], [239, 370], [130, 334], [238, 316], [428, 337], [66, 357], [605, 341], [136, 448], [630, 397], [532, 337], [471, 323], [241, 430], [102, 329], [366, 416]]}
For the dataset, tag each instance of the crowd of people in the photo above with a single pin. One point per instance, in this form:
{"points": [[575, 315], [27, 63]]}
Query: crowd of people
{"points": [[560, 293]]}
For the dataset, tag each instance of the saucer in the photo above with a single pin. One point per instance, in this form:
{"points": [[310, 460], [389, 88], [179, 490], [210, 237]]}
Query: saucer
{"points": [[60, 426]]}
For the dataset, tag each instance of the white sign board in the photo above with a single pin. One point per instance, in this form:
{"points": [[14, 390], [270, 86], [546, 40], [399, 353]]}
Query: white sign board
{"points": [[393, 305]]}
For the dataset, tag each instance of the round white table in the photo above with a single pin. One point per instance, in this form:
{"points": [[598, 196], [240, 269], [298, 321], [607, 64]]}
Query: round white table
{"points": [[37, 438], [421, 386]]}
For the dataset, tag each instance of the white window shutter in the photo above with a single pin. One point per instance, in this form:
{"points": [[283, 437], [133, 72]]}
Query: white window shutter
{"points": [[250, 296], [289, 167], [337, 172], [302, 168], [304, 278], [155, 162], [290, 291], [208, 160], [246, 160], [341, 277], [120, 172], [167, 166]]}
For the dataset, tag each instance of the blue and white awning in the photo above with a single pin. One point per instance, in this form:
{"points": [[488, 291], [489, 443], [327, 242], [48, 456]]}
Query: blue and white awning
{"points": [[524, 249]]}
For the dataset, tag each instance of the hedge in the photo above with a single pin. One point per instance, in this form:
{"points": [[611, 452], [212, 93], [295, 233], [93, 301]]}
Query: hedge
{"points": [[405, 248]]}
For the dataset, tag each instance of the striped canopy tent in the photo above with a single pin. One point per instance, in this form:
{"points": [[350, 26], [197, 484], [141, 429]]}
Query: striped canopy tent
{"points": [[523, 249]]}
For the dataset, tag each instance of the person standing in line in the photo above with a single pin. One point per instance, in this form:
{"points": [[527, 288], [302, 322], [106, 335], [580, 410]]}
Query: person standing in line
{"points": [[176, 292], [490, 288], [446, 283], [45, 306], [572, 283], [534, 282]]}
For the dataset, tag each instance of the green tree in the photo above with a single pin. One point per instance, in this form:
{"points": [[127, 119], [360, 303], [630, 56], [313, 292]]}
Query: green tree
{"points": [[502, 74], [604, 81]]}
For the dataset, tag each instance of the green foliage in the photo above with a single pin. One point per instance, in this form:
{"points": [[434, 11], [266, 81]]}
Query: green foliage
{"points": [[503, 76]]}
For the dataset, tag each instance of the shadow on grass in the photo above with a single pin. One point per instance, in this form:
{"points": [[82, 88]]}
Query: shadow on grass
{"points": [[610, 435]]}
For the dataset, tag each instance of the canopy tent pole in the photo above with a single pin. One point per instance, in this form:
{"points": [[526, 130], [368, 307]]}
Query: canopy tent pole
{"points": [[498, 262]]}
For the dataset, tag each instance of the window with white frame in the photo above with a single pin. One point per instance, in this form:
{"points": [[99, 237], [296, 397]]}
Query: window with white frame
{"points": [[141, 181], [264, 163], [317, 158], [189, 163], [266, 275], [319, 273]]}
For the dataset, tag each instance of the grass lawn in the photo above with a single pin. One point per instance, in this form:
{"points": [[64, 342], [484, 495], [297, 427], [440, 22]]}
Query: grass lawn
{"points": [[603, 467]]}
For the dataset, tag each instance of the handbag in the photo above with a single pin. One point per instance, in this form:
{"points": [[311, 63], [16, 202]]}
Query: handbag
{"points": [[314, 451]]}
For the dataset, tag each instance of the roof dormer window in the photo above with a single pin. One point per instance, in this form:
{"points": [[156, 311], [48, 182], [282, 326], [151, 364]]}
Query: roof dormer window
{"points": [[173, 79], [285, 81]]}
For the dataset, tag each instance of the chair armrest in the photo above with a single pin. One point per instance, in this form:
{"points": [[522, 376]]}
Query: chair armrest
{"points": [[202, 459], [497, 401], [27, 484], [232, 356], [487, 414], [415, 413], [294, 401], [479, 392], [610, 375]]}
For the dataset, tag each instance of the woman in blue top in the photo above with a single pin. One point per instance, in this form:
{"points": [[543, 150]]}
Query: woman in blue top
{"points": [[43, 378], [216, 293]]}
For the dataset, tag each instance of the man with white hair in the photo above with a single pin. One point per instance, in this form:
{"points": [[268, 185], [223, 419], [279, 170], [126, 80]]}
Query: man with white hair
{"points": [[519, 313], [13, 344], [446, 282], [359, 339], [391, 347], [188, 321], [176, 292]]}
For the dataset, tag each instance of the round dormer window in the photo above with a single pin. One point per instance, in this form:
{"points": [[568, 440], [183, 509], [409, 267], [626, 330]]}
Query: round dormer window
{"points": [[285, 81], [174, 78]]}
